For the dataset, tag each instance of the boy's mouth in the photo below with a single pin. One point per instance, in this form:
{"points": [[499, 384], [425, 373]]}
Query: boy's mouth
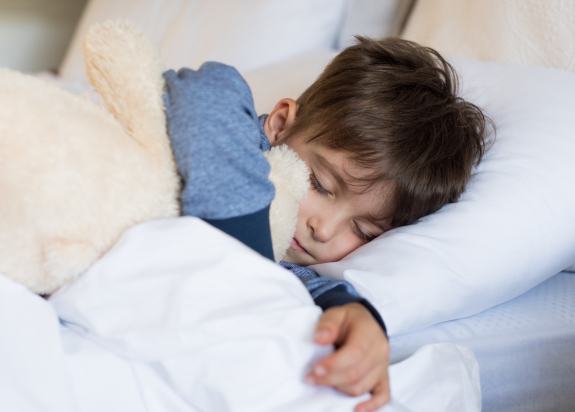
{"points": [[297, 246]]}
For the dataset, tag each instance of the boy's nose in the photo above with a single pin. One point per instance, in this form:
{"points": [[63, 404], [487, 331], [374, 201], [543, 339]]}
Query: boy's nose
{"points": [[322, 228]]}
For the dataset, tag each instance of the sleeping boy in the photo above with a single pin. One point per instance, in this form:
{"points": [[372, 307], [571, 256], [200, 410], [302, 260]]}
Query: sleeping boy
{"points": [[387, 141]]}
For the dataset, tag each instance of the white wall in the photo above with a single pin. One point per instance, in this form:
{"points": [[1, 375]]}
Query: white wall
{"points": [[34, 33]]}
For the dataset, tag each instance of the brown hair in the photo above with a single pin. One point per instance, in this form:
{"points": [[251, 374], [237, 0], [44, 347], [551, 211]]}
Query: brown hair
{"points": [[392, 105]]}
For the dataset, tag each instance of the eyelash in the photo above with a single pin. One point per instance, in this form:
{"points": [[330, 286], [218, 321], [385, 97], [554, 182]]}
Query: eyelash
{"points": [[363, 236], [316, 185]]}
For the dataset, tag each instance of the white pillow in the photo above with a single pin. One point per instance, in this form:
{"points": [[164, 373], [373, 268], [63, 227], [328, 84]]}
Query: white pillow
{"points": [[513, 227], [246, 34]]}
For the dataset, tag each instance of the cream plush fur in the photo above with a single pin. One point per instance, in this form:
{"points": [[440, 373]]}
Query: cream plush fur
{"points": [[74, 176]]}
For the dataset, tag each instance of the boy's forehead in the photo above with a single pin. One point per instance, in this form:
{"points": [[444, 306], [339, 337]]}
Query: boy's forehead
{"points": [[345, 168], [375, 198]]}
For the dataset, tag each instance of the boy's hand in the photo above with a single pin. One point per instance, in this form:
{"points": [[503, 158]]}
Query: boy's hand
{"points": [[361, 359]]}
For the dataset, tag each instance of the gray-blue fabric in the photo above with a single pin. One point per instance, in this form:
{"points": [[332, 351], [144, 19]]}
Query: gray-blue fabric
{"points": [[206, 109], [317, 285], [222, 178]]}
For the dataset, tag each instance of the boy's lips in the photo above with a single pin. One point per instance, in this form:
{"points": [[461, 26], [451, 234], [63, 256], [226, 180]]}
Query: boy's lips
{"points": [[297, 246]]}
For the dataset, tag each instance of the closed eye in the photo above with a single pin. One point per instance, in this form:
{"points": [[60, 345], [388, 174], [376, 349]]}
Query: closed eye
{"points": [[317, 186], [363, 235]]}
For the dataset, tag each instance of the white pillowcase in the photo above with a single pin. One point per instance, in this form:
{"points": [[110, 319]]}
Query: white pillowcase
{"points": [[246, 34], [513, 227]]}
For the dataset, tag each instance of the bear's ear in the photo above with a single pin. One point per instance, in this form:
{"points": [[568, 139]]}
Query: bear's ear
{"points": [[124, 67], [290, 176]]}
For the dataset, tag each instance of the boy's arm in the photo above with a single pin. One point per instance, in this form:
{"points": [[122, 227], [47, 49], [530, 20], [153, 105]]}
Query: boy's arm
{"points": [[215, 136]]}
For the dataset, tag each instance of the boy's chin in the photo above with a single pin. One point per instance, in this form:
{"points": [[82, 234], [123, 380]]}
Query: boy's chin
{"points": [[298, 257]]}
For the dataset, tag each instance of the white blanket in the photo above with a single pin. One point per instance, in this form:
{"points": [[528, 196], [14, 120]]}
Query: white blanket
{"points": [[180, 317]]}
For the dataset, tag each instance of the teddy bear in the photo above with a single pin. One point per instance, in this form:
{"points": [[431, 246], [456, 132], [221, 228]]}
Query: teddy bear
{"points": [[75, 173]]}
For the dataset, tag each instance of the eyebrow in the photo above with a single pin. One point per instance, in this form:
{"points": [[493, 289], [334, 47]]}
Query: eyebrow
{"points": [[326, 164], [344, 184]]}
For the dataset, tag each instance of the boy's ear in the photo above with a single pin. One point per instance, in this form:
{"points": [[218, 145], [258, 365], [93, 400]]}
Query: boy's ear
{"points": [[280, 119]]}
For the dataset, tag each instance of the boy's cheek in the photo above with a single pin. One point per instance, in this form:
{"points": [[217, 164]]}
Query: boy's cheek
{"points": [[340, 248]]}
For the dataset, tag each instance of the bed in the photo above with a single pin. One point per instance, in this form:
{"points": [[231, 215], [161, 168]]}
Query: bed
{"points": [[523, 348]]}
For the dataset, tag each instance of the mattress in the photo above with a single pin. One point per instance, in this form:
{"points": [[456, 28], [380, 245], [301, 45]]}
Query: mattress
{"points": [[525, 348]]}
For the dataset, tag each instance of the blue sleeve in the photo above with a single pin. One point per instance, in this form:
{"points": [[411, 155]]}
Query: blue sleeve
{"points": [[253, 230], [216, 138], [328, 293], [215, 135]]}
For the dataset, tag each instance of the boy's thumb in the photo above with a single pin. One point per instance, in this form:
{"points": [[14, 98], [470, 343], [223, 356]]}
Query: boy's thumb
{"points": [[329, 326]]}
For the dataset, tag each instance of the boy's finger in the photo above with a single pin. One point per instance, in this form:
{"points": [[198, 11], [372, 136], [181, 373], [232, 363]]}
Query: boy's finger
{"points": [[365, 385], [355, 349], [380, 397], [347, 372], [329, 326]]}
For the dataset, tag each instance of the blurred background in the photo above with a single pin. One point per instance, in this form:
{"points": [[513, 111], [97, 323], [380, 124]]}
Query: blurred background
{"points": [[34, 34], [46, 35]]}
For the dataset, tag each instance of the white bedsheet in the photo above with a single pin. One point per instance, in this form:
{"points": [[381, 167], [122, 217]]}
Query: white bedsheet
{"points": [[525, 348], [180, 317]]}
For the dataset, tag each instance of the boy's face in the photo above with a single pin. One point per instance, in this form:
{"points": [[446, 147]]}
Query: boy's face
{"points": [[335, 217]]}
